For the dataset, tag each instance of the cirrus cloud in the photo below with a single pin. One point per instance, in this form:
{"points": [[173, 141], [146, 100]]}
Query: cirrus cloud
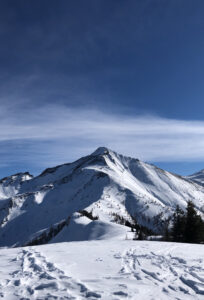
{"points": [[56, 134]]}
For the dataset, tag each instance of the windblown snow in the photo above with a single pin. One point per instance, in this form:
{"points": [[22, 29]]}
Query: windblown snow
{"points": [[45, 208]]}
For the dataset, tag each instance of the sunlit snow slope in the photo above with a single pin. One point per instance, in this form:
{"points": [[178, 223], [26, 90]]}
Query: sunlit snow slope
{"points": [[105, 183]]}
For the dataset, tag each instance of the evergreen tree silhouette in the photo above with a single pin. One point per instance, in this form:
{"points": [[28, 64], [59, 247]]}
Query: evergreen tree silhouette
{"points": [[194, 225], [179, 222]]}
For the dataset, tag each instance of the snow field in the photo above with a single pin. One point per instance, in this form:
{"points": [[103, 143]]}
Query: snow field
{"points": [[103, 270]]}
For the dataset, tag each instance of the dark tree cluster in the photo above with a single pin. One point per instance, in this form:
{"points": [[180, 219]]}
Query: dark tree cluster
{"points": [[188, 226], [88, 214], [47, 235], [141, 232]]}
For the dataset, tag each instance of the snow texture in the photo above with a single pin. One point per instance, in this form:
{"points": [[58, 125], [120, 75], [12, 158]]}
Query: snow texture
{"points": [[108, 269]]}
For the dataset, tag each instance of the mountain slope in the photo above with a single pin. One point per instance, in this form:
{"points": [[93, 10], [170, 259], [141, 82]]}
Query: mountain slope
{"points": [[106, 183], [197, 177]]}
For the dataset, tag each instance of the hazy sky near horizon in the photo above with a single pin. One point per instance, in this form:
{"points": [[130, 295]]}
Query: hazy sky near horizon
{"points": [[76, 75]]}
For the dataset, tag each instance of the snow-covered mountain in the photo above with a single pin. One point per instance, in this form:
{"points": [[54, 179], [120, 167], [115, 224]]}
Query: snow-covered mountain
{"points": [[84, 199], [9, 186], [197, 177]]}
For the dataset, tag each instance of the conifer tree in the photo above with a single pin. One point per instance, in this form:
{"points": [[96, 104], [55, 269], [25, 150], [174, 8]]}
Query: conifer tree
{"points": [[194, 225], [178, 228], [187, 227]]}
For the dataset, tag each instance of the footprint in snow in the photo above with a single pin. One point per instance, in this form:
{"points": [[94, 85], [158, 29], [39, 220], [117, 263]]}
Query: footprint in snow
{"points": [[41, 279], [121, 294]]}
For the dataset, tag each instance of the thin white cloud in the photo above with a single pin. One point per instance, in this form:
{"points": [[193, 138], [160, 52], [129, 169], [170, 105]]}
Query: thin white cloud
{"points": [[74, 132]]}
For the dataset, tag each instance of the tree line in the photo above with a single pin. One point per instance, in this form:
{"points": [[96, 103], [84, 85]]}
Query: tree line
{"points": [[187, 226]]}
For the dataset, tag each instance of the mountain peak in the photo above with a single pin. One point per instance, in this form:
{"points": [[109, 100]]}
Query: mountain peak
{"points": [[101, 151], [22, 176]]}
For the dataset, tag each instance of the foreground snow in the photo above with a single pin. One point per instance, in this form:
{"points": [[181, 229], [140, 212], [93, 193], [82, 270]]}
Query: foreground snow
{"points": [[108, 269]]}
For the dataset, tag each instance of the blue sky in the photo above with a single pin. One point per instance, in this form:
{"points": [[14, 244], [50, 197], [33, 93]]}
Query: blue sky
{"points": [[75, 75]]}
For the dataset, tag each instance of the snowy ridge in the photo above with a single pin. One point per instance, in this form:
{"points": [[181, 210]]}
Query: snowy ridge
{"points": [[197, 177], [9, 186], [104, 183]]}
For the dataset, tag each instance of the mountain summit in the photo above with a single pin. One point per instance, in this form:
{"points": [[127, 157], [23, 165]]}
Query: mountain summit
{"points": [[101, 151], [85, 199]]}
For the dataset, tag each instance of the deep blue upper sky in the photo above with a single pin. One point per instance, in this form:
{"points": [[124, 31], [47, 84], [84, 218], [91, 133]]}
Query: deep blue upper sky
{"points": [[121, 59]]}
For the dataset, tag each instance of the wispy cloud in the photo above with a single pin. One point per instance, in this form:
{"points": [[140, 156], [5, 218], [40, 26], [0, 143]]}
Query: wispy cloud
{"points": [[56, 134]]}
